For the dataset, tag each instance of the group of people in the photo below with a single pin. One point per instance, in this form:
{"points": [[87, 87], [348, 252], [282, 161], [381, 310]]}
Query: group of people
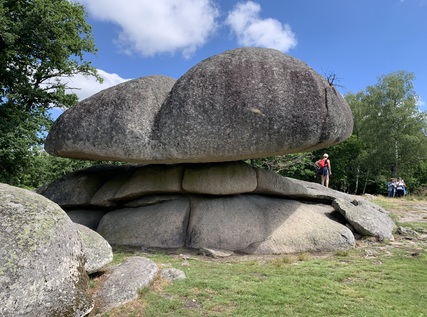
{"points": [[396, 188]]}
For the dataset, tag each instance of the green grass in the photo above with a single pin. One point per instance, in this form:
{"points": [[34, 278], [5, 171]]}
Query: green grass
{"points": [[375, 279], [338, 285], [417, 226]]}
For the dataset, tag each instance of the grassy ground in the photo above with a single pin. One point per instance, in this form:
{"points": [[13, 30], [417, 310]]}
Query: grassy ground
{"points": [[374, 279]]}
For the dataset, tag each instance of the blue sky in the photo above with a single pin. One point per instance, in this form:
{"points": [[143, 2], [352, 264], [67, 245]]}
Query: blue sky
{"points": [[358, 40]]}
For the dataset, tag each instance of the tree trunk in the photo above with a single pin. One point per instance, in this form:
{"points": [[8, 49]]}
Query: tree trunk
{"points": [[356, 185], [396, 158], [366, 183]]}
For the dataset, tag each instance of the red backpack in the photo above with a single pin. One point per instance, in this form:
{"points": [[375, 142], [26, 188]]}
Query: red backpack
{"points": [[321, 163]]}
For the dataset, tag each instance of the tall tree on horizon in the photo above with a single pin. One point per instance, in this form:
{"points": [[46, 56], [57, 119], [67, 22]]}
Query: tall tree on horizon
{"points": [[42, 42], [390, 125]]}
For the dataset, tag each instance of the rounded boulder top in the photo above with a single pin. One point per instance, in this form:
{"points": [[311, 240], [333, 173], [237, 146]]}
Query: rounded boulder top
{"points": [[114, 124], [240, 104]]}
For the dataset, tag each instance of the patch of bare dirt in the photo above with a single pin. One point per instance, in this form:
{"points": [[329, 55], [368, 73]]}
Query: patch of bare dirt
{"points": [[409, 211]]}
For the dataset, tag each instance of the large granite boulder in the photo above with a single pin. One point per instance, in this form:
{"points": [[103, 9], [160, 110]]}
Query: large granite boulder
{"points": [[202, 207], [248, 103], [42, 264], [240, 104], [375, 224], [160, 225], [78, 188], [114, 124], [265, 225], [97, 250], [123, 284]]}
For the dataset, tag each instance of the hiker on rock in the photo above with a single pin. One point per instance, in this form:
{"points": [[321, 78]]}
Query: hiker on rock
{"points": [[324, 166]]}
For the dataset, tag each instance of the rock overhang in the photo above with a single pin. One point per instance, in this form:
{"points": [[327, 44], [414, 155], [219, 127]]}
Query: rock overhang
{"points": [[240, 104]]}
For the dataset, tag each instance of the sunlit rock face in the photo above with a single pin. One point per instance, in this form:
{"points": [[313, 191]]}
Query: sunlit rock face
{"points": [[240, 104], [228, 206], [247, 103], [41, 258], [114, 124]]}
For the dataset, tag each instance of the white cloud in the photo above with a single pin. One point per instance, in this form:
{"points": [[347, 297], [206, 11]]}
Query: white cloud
{"points": [[85, 87], [251, 30], [150, 27]]}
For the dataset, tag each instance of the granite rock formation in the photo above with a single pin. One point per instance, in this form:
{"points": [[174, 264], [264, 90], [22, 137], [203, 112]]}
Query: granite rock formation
{"points": [[193, 136], [240, 104], [41, 258], [174, 206]]}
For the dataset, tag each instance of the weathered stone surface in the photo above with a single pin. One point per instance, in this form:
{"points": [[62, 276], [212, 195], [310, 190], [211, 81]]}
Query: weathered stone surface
{"points": [[308, 228], [150, 200], [172, 274], [86, 217], [41, 258], [105, 195], [153, 196], [271, 183], [152, 179], [243, 103], [97, 250], [161, 225], [366, 218], [248, 103], [123, 284], [103, 185], [215, 253], [114, 124], [266, 225], [77, 189], [220, 179]]}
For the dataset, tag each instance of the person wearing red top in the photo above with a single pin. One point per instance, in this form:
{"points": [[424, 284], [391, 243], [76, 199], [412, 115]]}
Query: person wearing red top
{"points": [[324, 166]]}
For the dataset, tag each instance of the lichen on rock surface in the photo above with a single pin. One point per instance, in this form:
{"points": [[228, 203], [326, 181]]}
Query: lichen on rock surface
{"points": [[42, 261]]}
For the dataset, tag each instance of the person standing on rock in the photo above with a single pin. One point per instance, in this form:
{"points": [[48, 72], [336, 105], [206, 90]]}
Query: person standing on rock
{"points": [[324, 166]]}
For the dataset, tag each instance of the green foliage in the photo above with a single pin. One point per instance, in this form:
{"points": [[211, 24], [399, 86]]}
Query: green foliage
{"points": [[391, 129], [389, 140], [346, 162], [298, 165], [42, 42]]}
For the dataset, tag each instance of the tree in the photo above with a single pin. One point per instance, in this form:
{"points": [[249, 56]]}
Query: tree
{"points": [[346, 163], [390, 127], [389, 139], [299, 165], [42, 43]]}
